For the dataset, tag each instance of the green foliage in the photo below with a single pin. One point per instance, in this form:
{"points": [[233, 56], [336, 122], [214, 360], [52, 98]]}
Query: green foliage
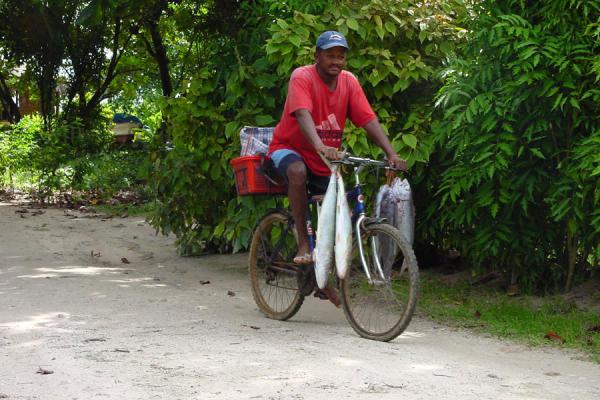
{"points": [[575, 197], [516, 187], [233, 89], [17, 147], [111, 171], [68, 156]]}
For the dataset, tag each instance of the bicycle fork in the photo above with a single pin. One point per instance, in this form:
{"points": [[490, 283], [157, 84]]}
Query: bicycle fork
{"points": [[359, 210]]}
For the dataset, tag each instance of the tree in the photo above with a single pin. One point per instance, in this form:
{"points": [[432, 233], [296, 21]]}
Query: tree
{"points": [[52, 43]]}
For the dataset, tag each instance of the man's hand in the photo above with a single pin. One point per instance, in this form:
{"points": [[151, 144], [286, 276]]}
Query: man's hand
{"points": [[331, 153], [397, 162]]}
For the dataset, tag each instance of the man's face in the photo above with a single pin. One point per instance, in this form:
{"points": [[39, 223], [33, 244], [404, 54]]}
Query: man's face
{"points": [[331, 61]]}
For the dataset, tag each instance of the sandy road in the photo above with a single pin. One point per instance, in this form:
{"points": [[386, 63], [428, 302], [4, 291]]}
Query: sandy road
{"points": [[150, 329]]}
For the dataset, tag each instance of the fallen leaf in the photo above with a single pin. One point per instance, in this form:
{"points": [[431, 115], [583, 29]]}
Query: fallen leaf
{"points": [[204, 282], [124, 260], [43, 371], [251, 326], [554, 336], [477, 314], [122, 351], [230, 293], [551, 373], [157, 279]]}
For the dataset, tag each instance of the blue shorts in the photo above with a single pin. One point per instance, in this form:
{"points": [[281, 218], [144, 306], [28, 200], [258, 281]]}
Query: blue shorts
{"points": [[283, 158]]}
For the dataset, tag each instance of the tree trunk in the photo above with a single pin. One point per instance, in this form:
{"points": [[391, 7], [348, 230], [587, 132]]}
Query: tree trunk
{"points": [[6, 99], [160, 55], [572, 259], [156, 48]]}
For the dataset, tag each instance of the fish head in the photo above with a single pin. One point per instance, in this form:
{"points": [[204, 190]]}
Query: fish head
{"points": [[402, 190]]}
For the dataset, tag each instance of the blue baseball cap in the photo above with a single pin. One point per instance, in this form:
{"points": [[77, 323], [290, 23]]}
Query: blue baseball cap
{"points": [[331, 39]]}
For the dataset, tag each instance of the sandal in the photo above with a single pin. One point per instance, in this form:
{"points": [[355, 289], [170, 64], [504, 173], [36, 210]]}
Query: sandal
{"points": [[328, 293], [304, 259]]}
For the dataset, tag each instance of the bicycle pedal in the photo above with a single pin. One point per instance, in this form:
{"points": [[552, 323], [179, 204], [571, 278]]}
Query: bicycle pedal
{"points": [[321, 295], [306, 282]]}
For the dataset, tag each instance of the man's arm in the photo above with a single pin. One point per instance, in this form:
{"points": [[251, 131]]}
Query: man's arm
{"points": [[308, 129], [377, 135]]}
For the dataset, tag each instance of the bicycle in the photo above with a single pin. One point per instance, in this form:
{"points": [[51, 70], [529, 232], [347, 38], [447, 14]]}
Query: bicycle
{"points": [[378, 294]]}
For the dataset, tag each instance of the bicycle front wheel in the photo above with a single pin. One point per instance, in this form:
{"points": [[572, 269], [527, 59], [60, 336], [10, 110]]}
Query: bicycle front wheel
{"points": [[273, 275], [379, 305]]}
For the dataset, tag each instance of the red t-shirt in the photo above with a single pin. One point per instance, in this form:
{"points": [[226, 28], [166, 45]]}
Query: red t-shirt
{"points": [[329, 110]]}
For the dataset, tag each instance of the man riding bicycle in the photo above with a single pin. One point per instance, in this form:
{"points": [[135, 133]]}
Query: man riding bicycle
{"points": [[320, 98]]}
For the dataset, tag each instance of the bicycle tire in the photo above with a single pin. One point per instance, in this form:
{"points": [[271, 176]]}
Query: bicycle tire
{"points": [[274, 244], [393, 298]]}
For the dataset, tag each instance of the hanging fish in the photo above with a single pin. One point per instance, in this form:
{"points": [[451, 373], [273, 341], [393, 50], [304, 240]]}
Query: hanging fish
{"points": [[385, 207], [323, 254], [405, 209], [343, 230], [404, 218]]}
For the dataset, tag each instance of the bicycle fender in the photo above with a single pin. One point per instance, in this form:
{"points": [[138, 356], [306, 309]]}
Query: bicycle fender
{"points": [[370, 221]]}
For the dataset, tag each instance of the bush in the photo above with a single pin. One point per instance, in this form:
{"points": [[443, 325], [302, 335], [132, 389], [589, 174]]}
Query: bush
{"points": [[517, 161], [18, 145]]}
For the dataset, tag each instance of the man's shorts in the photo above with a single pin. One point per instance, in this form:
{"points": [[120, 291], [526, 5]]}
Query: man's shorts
{"points": [[283, 158]]}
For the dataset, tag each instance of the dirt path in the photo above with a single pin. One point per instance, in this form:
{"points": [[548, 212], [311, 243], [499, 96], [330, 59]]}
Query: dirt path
{"points": [[151, 330]]}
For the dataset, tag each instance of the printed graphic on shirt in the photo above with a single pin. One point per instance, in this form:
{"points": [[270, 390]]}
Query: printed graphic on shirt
{"points": [[330, 132], [330, 124]]}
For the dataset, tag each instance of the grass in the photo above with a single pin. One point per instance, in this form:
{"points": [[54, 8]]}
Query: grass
{"points": [[531, 320]]}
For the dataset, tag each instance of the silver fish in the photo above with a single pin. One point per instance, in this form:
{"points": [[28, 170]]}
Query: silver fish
{"points": [[405, 209], [395, 204], [323, 254], [343, 230], [385, 207]]}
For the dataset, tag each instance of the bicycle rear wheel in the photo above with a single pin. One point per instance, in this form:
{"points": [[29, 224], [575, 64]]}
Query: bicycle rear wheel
{"points": [[381, 308], [273, 275]]}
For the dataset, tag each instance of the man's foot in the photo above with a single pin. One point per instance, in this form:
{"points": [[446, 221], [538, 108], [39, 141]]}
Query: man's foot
{"points": [[303, 259], [329, 293]]}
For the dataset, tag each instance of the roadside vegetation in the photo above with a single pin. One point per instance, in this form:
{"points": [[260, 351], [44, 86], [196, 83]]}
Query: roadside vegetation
{"points": [[495, 105], [553, 321]]}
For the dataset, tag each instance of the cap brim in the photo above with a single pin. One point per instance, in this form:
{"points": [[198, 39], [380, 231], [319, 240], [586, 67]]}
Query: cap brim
{"points": [[331, 45]]}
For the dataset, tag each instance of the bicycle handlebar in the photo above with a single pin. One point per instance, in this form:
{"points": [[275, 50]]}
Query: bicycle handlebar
{"points": [[351, 160]]}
